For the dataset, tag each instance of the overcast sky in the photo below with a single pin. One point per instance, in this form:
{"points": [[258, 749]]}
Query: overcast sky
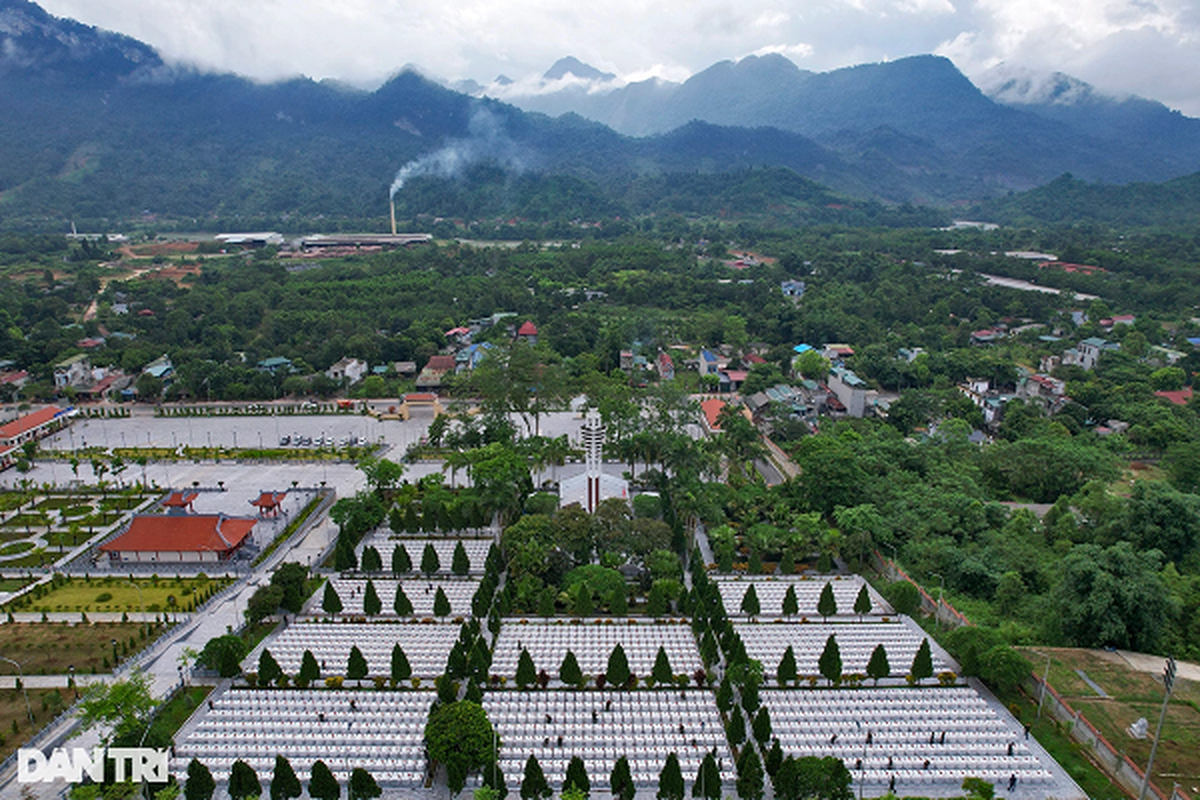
{"points": [[1146, 47]]}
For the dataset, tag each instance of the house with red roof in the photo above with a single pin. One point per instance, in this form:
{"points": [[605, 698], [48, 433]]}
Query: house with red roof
{"points": [[1180, 397], [28, 428], [155, 538], [528, 332], [435, 369], [666, 367], [268, 503]]}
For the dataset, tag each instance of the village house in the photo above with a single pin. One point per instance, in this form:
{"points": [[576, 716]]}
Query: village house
{"points": [[350, 370]]}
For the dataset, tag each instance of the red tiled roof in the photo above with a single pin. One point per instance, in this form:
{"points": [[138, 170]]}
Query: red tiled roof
{"points": [[665, 359], [28, 422], [1179, 398], [155, 533], [712, 409], [440, 363], [180, 500], [13, 377], [459, 331], [755, 358], [527, 329], [735, 375], [269, 499]]}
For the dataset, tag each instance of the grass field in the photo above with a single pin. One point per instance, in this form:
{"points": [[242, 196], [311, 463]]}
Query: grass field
{"points": [[1132, 694], [45, 704], [120, 594], [51, 648]]}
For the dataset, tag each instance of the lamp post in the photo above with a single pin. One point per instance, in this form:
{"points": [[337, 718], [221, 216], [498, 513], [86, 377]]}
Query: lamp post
{"points": [[114, 646], [24, 691], [71, 680], [1168, 684], [141, 601]]}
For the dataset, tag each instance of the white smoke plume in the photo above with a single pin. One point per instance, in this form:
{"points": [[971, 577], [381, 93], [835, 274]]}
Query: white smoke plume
{"points": [[486, 141]]}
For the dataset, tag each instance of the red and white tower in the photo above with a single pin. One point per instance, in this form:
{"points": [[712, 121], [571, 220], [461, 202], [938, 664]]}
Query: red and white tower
{"points": [[591, 436]]}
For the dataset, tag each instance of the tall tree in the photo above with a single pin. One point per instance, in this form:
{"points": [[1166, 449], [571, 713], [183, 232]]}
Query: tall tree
{"points": [[618, 667], [749, 775], [363, 785], [284, 783], [620, 782], [460, 736], [243, 781], [322, 785], [577, 777], [878, 666], [460, 565], [401, 670], [371, 560], [862, 603], [309, 669], [401, 562], [827, 603], [830, 663], [356, 666], [401, 604], [708, 779], [330, 602], [761, 726], [787, 667], [200, 783], [268, 668], [790, 604], [750, 604], [569, 672], [372, 605], [430, 563], [533, 784], [662, 667], [736, 728], [441, 605], [526, 670], [670, 780], [922, 663]]}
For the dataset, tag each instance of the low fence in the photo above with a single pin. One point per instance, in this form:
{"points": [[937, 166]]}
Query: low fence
{"points": [[943, 611], [1118, 765]]}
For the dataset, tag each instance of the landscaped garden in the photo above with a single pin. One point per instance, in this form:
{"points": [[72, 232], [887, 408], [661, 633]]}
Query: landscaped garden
{"points": [[119, 593]]}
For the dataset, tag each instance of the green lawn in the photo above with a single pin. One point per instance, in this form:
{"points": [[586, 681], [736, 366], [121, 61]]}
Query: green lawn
{"points": [[120, 594], [50, 648]]}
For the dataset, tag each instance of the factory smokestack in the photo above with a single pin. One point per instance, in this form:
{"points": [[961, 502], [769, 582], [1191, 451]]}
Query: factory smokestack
{"points": [[393, 204]]}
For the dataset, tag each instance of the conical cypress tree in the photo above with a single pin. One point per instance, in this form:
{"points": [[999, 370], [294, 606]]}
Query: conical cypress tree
{"points": [[356, 666], [371, 602], [546, 603], [371, 560], [309, 669], [761, 726], [618, 667], [736, 729], [363, 785], [200, 783], [862, 603], [656, 601], [533, 785], [827, 604], [441, 605], [268, 668], [322, 785], [708, 779], [583, 601], [331, 603], [284, 783], [430, 563], [401, 562], [460, 564], [243, 781], [401, 670], [922, 665], [830, 663], [670, 780], [774, 758], [662, 667], [790, 604], [620, 782], [787, 668], [878, 667], [569, 672], [750, 604], [401, 604], [577, 776], [526, 670], [749, 775]]}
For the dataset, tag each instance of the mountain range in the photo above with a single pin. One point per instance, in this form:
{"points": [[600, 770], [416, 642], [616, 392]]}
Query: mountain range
{"points": [[98, 126]]}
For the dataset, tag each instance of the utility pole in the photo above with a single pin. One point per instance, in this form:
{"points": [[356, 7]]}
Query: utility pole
{"points": [[1168, 683]]}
